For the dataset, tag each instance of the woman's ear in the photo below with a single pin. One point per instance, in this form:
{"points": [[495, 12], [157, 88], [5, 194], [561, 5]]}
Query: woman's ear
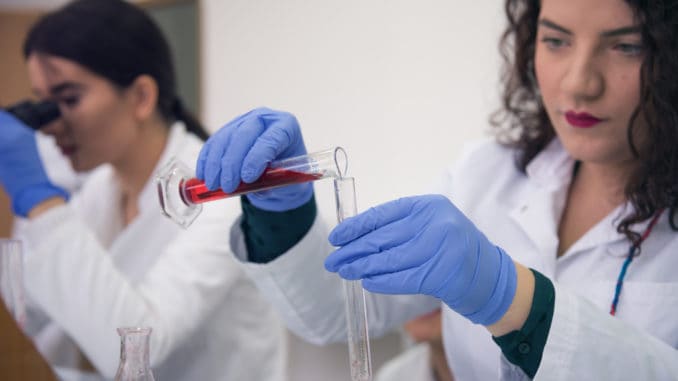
{"points": [[144, 95]]}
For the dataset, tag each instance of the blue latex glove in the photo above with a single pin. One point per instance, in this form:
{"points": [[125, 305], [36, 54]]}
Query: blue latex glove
{"points": [[425, 245], [243, 148], [21, 172]]}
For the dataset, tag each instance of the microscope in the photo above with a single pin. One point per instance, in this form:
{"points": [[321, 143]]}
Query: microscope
{"points": [[35, 114]]}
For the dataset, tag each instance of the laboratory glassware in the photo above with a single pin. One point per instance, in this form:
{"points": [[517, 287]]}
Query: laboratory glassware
{"points": [[11, 279], [354, 294], [181, 194], [135, 364]]}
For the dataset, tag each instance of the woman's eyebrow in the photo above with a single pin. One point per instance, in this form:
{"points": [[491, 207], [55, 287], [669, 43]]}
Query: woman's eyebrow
{"points": [[551, 25], [621, 31], [633, 29], [60, 88]]}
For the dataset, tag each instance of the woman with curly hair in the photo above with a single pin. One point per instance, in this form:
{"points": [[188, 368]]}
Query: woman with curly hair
{"points": [[552, 249]]}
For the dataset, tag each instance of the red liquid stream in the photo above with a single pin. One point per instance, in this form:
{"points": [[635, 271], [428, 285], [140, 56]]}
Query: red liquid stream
{"points": [[196, 192]]}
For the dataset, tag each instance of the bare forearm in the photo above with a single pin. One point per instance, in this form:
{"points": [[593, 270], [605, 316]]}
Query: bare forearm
{"points": [[45, 206]]}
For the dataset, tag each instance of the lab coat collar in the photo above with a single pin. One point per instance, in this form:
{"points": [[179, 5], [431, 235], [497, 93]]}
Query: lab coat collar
{"points": [[621, 247], [539, 209], [539, 206], [551, 168], [604, 233]]}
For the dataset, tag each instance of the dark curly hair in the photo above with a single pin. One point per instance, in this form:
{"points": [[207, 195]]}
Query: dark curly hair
{"points": [[522, 122]]}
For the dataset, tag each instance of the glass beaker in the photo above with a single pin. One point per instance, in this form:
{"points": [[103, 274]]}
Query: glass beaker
{"points": [[11, 279], [181, 194], [135, 364]]}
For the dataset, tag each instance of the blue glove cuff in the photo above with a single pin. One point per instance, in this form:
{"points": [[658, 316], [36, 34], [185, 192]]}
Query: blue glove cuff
{"points": [[23, 202], [491, 290], [502, 295]]}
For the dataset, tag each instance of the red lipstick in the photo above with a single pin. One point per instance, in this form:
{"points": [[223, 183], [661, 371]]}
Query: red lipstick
{"points": [[581, 119]]}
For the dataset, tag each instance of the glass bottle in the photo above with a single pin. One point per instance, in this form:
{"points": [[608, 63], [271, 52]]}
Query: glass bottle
{"points": [[135, 364]]}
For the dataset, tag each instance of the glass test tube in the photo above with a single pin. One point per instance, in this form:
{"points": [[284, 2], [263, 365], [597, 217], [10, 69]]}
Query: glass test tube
{"points": [[181, 194], [356, 311]]}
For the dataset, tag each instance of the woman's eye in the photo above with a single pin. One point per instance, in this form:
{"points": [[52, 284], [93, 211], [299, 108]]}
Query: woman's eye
{"points": [[553, 43], [629, 49], [70, 101]]}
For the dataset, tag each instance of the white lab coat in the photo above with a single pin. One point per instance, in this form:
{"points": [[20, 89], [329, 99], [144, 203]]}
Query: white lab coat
{"points": [[90, 275], [519, 213], [414, 364]]}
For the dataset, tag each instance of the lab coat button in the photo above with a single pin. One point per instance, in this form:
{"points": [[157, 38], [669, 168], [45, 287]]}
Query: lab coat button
{"points": [[524, 348]]}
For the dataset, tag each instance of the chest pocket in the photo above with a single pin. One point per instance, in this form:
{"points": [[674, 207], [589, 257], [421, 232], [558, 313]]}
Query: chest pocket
{"points": [[649, 306]]}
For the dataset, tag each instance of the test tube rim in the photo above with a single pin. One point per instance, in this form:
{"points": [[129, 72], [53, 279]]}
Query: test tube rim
{"points": [[339, 155]]}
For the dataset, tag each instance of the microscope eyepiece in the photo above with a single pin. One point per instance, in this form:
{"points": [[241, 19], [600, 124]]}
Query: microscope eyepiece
{"points": [[35, 114]]}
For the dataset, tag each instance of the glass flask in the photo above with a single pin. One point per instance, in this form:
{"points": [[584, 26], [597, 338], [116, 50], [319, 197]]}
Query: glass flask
{"points": [[135, 364]]}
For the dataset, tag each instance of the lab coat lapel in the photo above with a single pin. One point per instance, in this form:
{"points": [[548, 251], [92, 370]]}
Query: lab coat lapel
{"points": [[103, 216], [535, 214], [603, 234], [147, 223], [539, 206]]}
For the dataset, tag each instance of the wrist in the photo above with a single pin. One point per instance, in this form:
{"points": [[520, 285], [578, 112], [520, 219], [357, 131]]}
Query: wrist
{"points": [[518, 311], [46, 205], [489, 292], [25, 200]]}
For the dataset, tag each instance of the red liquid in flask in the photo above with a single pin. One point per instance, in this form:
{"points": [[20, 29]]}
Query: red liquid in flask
{"points": [[196, 192]]}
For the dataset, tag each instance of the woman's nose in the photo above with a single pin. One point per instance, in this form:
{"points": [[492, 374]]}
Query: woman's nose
{"points": [[55, 127], [583, 81]]}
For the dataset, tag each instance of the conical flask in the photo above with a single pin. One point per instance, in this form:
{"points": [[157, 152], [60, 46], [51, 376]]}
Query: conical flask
{"points": [[135, 364]]}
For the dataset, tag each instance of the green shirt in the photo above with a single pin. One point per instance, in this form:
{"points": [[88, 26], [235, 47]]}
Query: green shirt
{"points": [[270, 234], [525, 347]]}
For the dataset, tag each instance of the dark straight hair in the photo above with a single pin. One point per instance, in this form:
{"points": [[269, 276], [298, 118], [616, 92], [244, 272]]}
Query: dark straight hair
{"points": [[118, 41]]}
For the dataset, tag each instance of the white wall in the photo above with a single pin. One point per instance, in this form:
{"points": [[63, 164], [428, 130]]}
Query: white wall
{"points": [[400, 84]]}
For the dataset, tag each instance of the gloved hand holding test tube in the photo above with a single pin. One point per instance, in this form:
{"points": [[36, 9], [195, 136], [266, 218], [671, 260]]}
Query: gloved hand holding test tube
{"points": [[181, 197], [181, 194], [259, 151]]}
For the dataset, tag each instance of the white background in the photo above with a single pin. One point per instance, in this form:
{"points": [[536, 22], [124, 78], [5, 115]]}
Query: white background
{"points": [[401, 85]]}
